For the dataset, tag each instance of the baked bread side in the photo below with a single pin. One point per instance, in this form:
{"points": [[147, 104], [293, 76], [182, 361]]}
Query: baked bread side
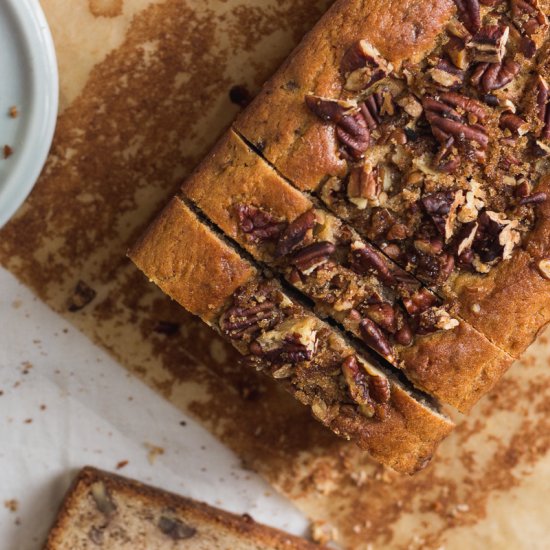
{"points": [[346, 391], [103, 510], [436, 158], [346, 277]]}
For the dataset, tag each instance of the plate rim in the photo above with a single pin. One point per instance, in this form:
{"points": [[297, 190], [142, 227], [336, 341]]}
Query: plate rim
{"points": [[42, 121]]}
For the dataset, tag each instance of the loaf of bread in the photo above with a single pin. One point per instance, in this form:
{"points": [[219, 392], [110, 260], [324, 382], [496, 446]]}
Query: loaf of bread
{"points": [[347, 278], [103, 510], [426, 125], [347, 391]]}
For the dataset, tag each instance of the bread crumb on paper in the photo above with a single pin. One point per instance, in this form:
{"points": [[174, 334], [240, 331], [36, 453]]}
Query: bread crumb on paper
{"points": [[12, 505], [154, 452]]}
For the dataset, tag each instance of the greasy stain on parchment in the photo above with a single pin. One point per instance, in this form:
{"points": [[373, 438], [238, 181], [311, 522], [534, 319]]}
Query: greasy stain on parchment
{"points": [[147, 114]]}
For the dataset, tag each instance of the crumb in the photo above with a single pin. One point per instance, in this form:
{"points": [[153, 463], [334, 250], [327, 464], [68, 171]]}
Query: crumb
{"points": [[65, 331], [16, 304], [239, 95], [17, 521], [26, 366], [43, 407], [28, 421], [11, 505], [154, 452], [122, 464], [8, 151], [1, 393], [183, 423], [13, 112]]}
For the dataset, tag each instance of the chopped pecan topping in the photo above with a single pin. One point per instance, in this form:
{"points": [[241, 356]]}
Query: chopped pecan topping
{"points": [[363, 66], [543, 107], [446, 74], [419, 302], [493, 76], [535, 198], [291, 342], [375, 338], [351, 128], [496, 237], [365, 259], [470, 14], [457, 52], [528, 16], [447, 122], [489, 44], [312, 256], [241, 322], [438, 206], [258, 225], [411, 106], [514, 124], [364, 186], [295, 233]]}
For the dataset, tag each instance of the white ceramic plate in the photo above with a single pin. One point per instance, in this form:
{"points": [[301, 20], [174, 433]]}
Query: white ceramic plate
{"points": [[29, 81]]}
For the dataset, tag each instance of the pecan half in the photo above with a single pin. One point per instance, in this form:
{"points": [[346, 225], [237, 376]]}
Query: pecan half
{"points": [[363, 186], [489, 44], [470, 14], [446, 122], [258, 225], [365, 259], [514, 124], [375, 338], [291, 342], [312, 256], [493, 76], [383, 314], [419, 302], [242, 322], [528, 16], [379, 388], [351, 128], [295, 233], [363, 66]]}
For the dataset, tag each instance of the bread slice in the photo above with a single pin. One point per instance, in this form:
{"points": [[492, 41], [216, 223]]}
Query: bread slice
{"points": [[346, 391], [460, 157], [103, 510], [455, 362]]}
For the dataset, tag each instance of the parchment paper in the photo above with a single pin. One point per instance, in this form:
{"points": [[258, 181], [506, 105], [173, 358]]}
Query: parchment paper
{"points": [[145, 93]]}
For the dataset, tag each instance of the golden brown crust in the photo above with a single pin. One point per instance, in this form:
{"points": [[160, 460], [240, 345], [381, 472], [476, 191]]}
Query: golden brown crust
{"points": [[405, 440], [197, 514], [232, 174], [178, 257], [457, 366], [511, 304], [278, 122]]}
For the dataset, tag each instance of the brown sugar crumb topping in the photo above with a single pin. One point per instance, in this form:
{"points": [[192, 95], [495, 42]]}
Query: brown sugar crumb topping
{"points": [[294, 346], [433, 150], [349, 278]]}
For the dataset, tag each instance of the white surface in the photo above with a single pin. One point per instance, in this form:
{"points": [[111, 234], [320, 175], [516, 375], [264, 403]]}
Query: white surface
{"points": [[96, 413], [29, 81]]}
